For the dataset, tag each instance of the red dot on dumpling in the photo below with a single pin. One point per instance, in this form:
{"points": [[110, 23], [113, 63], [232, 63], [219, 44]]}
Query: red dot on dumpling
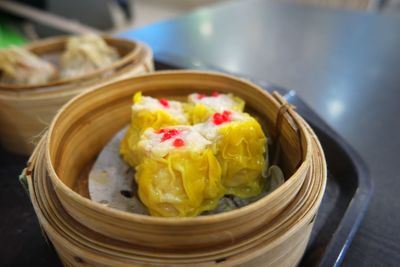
{"points": [[178, 142], [164, 102], [168, 134], [219, 118]]}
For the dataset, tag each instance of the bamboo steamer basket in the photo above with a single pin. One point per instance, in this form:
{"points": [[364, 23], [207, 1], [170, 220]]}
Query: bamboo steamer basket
{"points": [[71, 149], [26, 110], [280, 242]]}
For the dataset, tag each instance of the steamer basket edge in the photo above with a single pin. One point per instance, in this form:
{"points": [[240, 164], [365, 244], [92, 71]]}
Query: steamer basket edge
{"points": [[66, 194]]}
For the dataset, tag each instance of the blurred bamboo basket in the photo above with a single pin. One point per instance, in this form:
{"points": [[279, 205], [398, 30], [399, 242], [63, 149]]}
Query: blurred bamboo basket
{"points": [[272, 231], [25, 110]]}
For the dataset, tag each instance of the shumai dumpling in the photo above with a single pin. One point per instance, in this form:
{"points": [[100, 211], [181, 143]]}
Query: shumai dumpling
{"points": [[179, 175], [21, 66], [202, 107], [85, 54], [149, 112], [239, 144]]}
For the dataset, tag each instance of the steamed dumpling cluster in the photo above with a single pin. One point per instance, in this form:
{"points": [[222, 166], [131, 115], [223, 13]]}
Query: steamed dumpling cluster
{"points": [[187, 156], [83, 54]]}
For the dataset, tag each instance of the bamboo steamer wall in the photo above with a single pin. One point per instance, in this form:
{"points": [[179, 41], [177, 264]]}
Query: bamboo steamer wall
{"points": [[25, 111], [280, 242], [71, 149]]}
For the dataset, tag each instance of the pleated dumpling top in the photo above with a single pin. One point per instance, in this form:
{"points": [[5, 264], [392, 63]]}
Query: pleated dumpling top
{"points": [[201, 107], [149, 112]]}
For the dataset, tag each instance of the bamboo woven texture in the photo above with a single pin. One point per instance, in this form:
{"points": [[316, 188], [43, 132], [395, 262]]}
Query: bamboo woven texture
{"points": [[25, 111], [272, 231]]}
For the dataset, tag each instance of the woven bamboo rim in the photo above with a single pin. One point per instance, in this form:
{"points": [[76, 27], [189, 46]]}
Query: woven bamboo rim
{"points": [[279, 243], [166, 233], [25, 111]]}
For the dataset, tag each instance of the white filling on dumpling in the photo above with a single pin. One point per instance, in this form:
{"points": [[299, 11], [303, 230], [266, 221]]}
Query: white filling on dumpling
{"points": [[174, 108], [153, 143], [218, 103]]}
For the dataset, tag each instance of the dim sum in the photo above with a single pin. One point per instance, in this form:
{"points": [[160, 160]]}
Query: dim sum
{"points": [[20, 66], [179, 175], [86, 53], [239, 144], [148, 112]]}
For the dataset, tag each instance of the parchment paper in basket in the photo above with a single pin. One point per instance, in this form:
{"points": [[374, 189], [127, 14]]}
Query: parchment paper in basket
{"points": [[111, 183], [111, 180]]}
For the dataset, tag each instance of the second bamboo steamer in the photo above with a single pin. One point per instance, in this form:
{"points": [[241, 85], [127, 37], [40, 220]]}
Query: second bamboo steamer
{"points": [[26, 111]]}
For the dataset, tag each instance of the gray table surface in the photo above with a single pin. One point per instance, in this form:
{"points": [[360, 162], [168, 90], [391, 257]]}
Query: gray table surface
{"points": [[344, 64]]}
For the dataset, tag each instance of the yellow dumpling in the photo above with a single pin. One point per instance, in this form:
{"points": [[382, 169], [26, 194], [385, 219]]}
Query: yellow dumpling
{"points": [[148, 112], [201, 107], [185, 170], [240, 147], [180, 176]]}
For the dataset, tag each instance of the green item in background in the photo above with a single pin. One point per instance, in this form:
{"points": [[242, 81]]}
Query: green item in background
{"points": [[9, 35]]}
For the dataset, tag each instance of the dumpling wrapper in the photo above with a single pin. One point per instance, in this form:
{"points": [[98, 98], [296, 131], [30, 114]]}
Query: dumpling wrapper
{"points": [[148, 112], [184, 184], [240, 147], [178, 179]]}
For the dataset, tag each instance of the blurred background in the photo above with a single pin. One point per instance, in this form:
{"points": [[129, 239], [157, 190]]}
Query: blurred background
{"points": [[340, 56], [25, 20]]}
